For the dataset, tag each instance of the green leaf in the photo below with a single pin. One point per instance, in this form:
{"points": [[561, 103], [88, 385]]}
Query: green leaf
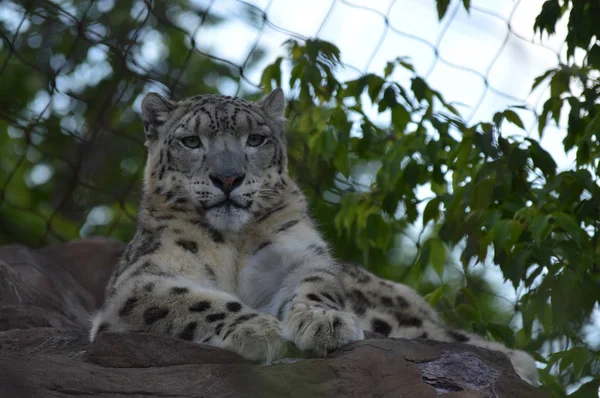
{"points": [[467, 312], [552, 109], [594, 56], [379, 231], [500, 233], [431, 211], [364, 211], [549, 15], [391, 169], [578, 357], [468, 294], [349, 219], [467, 5], [512, 117], [541, 159], [497, 119], [400, 118], [463, 153], [482, 194], [421, 89], [375, 85], [587, 390], [439, 188], [406, 64], [390, 66], [389, 69], [356, 87], [442, 7], [540, 228], [412, 173], [340, 159], [437, 255], [270, 74], [453, 110], [388, 100], [559, 83], [296, 74], [501, 332], [569, 225], [434, 297], [540, 79]]}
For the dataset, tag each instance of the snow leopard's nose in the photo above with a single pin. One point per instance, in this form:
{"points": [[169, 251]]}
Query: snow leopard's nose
{"points": [[227, 183]]}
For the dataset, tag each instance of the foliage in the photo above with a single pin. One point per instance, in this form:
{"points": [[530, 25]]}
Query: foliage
{"points": [[68, 85], [494, 197], [424, 198]]}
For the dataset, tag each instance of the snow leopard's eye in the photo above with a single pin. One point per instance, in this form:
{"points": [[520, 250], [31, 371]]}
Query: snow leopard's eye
{"points": [[191, 142], [255, 140]]}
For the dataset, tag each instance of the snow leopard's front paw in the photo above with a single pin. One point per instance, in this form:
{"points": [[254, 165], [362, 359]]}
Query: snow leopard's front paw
{"points": [[321, 330], [257, 337]]}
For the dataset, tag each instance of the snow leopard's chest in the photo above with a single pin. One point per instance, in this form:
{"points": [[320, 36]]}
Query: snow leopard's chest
{"points": [[251, 269]]}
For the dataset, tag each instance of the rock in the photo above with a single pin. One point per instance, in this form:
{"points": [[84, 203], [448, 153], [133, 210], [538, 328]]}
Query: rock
{"points": [[56, 286], [29, 279], [25, 316], [48, 362], [130, 350], [46, 297], [90, 262], [47, 341]]}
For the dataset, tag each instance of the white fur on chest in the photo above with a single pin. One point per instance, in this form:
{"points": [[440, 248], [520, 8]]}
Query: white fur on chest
{"points": [[263, 274], [218, 258]]}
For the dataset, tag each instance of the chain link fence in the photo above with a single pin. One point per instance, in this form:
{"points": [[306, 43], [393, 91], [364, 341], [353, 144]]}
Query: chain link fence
{"points": [[72, 75]]}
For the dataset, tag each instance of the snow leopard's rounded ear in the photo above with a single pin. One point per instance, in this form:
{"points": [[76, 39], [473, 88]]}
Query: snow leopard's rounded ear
{"points": [[273, 105], [155, 111]]}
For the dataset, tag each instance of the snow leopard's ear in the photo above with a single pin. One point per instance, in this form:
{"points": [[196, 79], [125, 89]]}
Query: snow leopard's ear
{"points": [[155, 112], [273, 105]]}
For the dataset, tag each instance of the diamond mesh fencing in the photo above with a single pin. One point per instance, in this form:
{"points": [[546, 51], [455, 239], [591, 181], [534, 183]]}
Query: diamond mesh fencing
{"points": [[73, 73]]}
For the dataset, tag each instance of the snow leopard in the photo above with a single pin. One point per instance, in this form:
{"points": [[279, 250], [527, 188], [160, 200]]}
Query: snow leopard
{"points": [[226, 253]]}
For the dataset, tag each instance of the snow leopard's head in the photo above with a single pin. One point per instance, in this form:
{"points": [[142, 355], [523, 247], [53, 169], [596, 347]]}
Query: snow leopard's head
{"points": [[222, 157]]}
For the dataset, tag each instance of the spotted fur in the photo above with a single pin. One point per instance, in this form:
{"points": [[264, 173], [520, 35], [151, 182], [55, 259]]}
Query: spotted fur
{"points": [[226, 254]]}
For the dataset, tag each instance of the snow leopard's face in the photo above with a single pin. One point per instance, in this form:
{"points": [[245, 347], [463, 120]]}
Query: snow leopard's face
{"points": [[219, 156]]}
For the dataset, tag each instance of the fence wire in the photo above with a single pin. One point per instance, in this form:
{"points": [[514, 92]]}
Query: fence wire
{"points": [[72, 74]]}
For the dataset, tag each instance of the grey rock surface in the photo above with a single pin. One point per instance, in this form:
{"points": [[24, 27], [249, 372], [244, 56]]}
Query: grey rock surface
{"points": [[46, 297]]}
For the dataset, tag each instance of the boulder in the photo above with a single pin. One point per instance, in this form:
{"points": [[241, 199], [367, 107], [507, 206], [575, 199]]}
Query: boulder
{"points": [[46, 296], [90, 262]]}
